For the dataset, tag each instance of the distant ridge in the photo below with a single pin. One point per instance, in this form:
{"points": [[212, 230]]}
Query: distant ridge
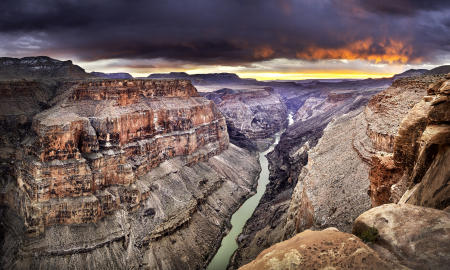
{"points": [[39, 67], [410, 73], [117, 75], [439, 70], [208, 78]]}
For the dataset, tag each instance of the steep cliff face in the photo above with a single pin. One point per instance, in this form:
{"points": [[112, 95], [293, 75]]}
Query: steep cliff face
{"points": [[331, 193], [398, 117], [119, 167], [253, 117]]}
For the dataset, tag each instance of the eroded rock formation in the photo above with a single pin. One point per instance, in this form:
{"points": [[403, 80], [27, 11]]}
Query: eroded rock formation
{"points": [[409, 151], [124, 173]]}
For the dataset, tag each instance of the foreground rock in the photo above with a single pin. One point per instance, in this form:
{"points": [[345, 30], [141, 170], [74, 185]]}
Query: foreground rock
{"points": [[253, 117], [327, 249], [123, 173], [417, 237]]}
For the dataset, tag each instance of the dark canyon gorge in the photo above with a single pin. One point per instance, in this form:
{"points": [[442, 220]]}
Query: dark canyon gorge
{"points": [[107, 171]]}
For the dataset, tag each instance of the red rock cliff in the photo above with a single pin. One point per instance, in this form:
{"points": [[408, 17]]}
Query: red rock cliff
{"points": [[108, 134], [410, 145]]}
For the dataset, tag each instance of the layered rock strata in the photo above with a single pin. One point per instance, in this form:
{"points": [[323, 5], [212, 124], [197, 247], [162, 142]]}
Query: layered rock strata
{"points": [[253, 117], [124, 172], [416, 137]]}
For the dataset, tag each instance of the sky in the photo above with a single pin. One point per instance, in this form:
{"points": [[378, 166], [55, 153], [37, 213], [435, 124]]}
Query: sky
{"points": [[263, 39]]}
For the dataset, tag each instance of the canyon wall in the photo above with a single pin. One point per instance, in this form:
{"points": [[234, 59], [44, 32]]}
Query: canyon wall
{"points": [[398, 117], [253, 117], [121, 173], [272, 220]]}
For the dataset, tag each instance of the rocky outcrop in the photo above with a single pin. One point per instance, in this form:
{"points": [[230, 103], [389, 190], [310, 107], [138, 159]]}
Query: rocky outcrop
{"points": [[95, 139], [184, 205], [327, 249], [39, 67], [253, 117], [386, 110], [417, 141], [416, 236], [123, 172]]}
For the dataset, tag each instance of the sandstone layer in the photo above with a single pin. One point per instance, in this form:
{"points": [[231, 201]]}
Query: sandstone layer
{"points": [[123, 174]]}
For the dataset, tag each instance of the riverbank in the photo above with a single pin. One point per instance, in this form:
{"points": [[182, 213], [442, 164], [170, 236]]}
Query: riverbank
{"points": [[229, 245]]}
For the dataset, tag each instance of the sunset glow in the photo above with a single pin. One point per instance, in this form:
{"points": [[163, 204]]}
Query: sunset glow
{"points": [[337, 74]]}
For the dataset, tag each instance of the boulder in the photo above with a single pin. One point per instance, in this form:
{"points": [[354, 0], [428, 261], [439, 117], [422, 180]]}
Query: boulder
{"points": [[418, 237], [327, 249]]}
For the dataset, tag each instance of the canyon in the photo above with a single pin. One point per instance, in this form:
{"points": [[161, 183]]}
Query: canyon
{"points": [[116, 173], [103, 172], [391, 152]]}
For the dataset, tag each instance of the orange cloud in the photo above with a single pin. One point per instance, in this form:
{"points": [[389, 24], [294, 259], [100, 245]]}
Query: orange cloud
{"points": [[386, 51], [263, 52]]}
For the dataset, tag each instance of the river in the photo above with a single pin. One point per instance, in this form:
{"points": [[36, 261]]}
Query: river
{"points": [[240, 217]]}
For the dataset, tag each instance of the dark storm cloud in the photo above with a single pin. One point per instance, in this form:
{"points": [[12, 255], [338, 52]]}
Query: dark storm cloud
{"points": [[401, 7], [226, 31]]}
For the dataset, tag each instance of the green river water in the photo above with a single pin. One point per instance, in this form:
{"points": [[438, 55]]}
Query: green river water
{"points": [[240, 217]]}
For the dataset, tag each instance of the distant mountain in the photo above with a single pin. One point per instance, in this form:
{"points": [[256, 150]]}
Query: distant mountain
{"points": [[439, 70], [410, 73], [171, 75], [39, 67], [208, 78], [117, 75]]}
